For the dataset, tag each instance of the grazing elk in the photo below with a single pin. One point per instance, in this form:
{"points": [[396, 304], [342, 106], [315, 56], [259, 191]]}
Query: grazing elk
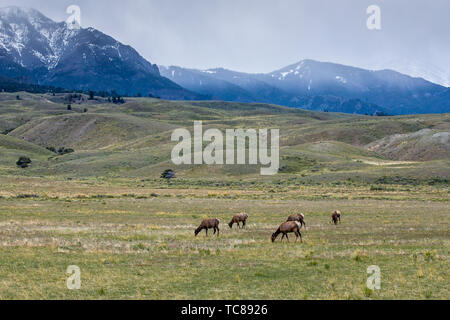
{"points": [[300, 217], [336, 217], [209, 224], [242, 217], [288, 227]]}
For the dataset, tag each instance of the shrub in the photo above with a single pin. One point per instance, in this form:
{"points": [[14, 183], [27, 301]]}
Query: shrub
{"points": [[438, 181], [367, 292], [63, 151], [27, 196], [23, 162], [6, 131], [168, 175]]}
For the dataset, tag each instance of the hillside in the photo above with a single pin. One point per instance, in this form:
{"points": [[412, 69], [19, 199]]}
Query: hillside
{"points": [[133, 140], [426, 144]]}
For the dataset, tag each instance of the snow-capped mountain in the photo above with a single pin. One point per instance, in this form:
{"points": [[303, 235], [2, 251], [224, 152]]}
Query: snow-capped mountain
{"points": [[37, 49], [32, 40], [242, 87], [329, 86]]}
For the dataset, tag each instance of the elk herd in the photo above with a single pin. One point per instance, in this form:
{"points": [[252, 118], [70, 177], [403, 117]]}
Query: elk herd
{"points": [[293, 224]]}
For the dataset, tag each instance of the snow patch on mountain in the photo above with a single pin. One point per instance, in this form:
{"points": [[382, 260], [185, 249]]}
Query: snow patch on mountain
{"points": [[341, 79]]}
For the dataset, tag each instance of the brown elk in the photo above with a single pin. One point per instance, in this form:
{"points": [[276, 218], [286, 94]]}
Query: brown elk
{"points": [[242, 217], [336, 217], [288, 227], [300, 217], [209, 224]]}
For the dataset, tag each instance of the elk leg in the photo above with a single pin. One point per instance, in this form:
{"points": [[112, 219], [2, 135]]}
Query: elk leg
{"points": [[215, 230], [287, 237], [282, 237], [206, 231], [218, 231]]}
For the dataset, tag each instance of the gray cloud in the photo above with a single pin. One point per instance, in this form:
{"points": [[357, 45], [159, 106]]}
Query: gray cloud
{"points": [[262, 35]]}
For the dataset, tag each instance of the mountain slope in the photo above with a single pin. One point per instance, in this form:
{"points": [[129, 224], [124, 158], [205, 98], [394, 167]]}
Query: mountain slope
{"points": [[398, 93], [35, 49], [201, 82]]}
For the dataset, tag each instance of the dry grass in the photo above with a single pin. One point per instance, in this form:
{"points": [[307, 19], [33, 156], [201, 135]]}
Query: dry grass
{"points": [[144, 248]]}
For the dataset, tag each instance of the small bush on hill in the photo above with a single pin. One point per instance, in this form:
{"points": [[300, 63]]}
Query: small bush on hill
{"points": [[23, 162], [63, 151], [168, 175], [5, 132]]}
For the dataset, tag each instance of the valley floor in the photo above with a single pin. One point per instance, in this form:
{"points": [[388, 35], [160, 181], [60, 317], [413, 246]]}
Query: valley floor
{"points": [[137, 242]]}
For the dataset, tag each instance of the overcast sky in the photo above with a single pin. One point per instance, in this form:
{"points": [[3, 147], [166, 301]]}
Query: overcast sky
{"points": [[263, 35]]}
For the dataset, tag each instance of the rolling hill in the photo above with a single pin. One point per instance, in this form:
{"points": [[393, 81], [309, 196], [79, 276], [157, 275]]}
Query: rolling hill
{"points": [[132, 140], [426, 144]]}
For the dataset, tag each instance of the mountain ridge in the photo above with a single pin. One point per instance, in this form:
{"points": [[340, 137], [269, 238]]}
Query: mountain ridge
{"points": [[36, 49], [304, 83]]}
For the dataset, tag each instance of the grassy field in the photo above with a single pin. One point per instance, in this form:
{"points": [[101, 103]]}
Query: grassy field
{"points": [[104, 208], [142, 245]]}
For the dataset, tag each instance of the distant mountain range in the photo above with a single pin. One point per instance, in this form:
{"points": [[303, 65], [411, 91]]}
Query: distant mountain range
{"points": [[36, 50], [319, 86]]}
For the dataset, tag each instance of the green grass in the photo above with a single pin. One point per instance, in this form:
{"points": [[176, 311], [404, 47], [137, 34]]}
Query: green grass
{"points": [[145, 248], [104, 208]]}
